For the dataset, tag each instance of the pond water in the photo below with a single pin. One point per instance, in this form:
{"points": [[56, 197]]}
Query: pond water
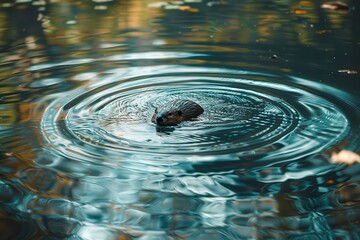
{"points": [[81, 159]]}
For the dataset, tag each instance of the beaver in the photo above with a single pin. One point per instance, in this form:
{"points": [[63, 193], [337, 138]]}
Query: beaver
{"points": [[175, 112]]}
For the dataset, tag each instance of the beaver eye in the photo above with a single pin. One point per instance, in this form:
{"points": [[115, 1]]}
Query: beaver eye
{"points": [[180, 113], [170, 114]]}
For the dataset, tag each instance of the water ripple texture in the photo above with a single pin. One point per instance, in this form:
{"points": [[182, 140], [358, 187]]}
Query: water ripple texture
{"points": [[249, 116]]}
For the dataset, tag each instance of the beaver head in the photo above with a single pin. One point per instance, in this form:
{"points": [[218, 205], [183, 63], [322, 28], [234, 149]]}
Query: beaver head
{"points": [[174, 112], [167, 117]]}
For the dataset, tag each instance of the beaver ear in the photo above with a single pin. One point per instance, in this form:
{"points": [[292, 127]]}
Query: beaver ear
{"points": [[180, 113]]}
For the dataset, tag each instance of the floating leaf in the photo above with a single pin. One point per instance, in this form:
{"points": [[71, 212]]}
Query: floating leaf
{"points": [[348, 71], [157, 4], [336, 6], [300, 11], [345, 156], [172, 7], [188, 9]]}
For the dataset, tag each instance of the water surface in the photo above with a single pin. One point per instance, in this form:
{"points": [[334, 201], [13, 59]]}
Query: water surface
{"points": [[81, 159]]}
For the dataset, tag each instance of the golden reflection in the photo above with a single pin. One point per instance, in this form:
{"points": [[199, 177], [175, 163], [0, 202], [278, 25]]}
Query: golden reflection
{"points": [[13, 113], [121, 20], [8, 115], [82, 28]]}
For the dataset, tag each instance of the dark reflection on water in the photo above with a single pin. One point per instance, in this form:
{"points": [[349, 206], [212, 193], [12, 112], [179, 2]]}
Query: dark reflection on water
{"points": [[81, 159]]}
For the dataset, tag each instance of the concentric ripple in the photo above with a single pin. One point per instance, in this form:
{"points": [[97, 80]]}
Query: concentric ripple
{"points": [[248, 115]]}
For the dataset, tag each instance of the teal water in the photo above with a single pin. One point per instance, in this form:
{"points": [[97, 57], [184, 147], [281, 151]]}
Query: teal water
{"points": [[81, 159]]}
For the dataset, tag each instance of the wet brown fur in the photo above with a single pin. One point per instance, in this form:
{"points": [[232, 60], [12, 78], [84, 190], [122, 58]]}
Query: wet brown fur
{"points": [[176, 112]]}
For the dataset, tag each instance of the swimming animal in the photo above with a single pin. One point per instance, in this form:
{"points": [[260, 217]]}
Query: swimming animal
{"points": [[175, 112]]}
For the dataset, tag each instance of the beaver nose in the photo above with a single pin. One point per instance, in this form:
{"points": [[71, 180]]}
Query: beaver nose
{"points": [[159, 119]]}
